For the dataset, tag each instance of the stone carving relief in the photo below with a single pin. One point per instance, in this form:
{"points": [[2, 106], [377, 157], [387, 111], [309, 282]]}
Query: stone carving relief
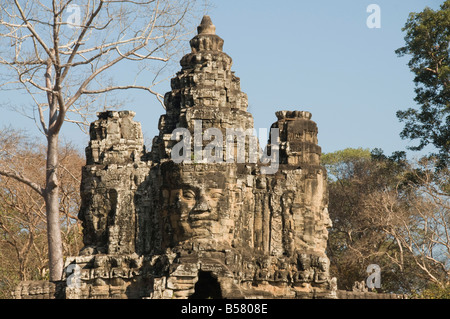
{"points": [[156, 228]]}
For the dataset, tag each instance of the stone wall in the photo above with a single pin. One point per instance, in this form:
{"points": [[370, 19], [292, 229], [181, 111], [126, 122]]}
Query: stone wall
{"points": [[159, 228], [39, 290], [343, 294]]}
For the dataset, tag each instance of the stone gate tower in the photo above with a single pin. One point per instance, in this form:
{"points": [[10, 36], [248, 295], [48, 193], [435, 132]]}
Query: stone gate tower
{"points": [[155, 227]]}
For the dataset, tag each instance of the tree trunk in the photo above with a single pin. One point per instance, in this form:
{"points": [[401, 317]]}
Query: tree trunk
{"points": [[52, 209]]}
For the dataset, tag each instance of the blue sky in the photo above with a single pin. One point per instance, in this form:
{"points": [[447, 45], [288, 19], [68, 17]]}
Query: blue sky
{"points": [[316, 56]]}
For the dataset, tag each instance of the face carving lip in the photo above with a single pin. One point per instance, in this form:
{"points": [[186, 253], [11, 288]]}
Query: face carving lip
{"points": [[197, 216]]}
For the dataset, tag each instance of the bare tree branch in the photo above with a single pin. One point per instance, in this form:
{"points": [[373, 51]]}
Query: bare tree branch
{"points": [[17, 176]]}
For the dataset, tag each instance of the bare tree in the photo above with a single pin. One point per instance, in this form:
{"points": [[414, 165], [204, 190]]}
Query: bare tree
{"points": [[392, 212], [22, 216], [61, 53], [23, 231], [417, 216], [357, 240]]}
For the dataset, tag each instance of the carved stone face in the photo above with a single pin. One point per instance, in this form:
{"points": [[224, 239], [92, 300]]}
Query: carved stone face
{"points": [[327, 223], [199, 209], [199, 206]]}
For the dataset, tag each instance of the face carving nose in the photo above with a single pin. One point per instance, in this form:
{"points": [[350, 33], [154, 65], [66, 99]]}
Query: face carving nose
{"points": [[201, 205]]}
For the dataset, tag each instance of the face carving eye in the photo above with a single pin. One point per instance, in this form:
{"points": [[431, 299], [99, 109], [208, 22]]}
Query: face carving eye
{"points": [[188, 194], [216, 194]]}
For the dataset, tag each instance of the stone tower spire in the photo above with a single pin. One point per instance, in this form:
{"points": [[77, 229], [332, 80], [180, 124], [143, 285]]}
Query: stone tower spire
{"points": [[206, 39], [206, 26], [206, 89]]}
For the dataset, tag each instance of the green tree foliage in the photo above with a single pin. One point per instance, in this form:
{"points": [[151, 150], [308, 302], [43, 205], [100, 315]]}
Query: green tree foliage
{"points": [[427, 42], [344, 161], [434, 292]]}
